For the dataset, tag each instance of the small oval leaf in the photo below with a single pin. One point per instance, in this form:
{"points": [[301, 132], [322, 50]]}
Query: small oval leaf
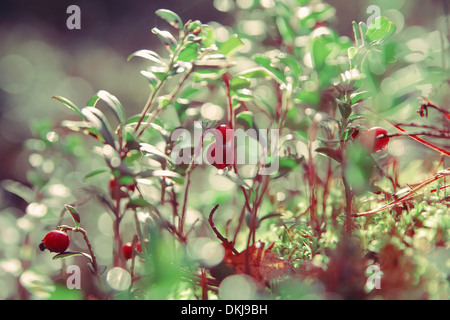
{"points": [[74, 213], [69, 104], [95, 172], [171, 17], [67, 254], [380, 29], [149, 55], [114, 104], [152, 79], [166, 38], [99, 122]]}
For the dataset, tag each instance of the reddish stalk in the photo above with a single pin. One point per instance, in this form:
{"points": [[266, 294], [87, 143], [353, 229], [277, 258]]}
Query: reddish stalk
{"points": [[224, 240], [408, 195]]}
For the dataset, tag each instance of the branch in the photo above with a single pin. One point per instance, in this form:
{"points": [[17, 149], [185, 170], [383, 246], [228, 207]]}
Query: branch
{"points": [[408, 195], [218, 234]]}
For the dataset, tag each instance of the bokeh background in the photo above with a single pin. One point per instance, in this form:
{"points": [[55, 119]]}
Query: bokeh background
{"points": [[40, 58]]}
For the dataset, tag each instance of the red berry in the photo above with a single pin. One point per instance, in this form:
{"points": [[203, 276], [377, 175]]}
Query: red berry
{"points": [[371, 139], [197, 31], [226, 131], [131, 187], [127, 249], [112, 184], [224, 160], [355, 133], [320, 24], [55, 241], [139, 247]]}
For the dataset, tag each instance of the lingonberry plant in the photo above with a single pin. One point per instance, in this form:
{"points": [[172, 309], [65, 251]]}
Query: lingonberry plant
{"points": [[339, 202]]}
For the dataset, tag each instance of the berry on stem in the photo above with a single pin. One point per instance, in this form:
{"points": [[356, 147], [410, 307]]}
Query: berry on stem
{"points": [[371, 139], [127, 249], [224, 160], [55, 241], [224, 129]]}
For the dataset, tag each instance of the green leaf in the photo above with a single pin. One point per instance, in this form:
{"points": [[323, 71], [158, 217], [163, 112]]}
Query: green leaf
{"points": [[171, 17], [232, 176], [275, 73], [152, 150], [290, 163], [285, 29], [67, 254], [166, 38], [95, 172], [69, 104], [189, 52], [93, 101], [363, 30], [163, 101], [231, 46], [19, 189], [208, 37], [380, 29], [330, 152], [358, 40], [99, 122], [132, 154], [138, 203], [292, 63], [114, 104], [76, 125], [239, 83], [360, 96], [245, 118], [152, 79], [286, 165], [352, 52], [320, 49], [162, 173], [62, 292], [345, 110], [74, 213], [126, 180], [149, 55], [253, 73], [243, 95], [157, 127]]}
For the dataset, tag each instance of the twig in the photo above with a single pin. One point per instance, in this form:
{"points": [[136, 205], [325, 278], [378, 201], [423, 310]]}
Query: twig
{"points": [[218, 234], [185, 199], [88, 244], [428, 134], [423, 110], [408, 195], [418, 139], [415, 125]]}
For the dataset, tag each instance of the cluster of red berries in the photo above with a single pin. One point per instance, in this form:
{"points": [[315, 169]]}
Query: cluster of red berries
{"points": [[127, 249], [222, 144]]}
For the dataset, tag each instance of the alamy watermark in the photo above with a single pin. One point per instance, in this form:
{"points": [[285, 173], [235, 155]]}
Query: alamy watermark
{"points": [[74, 280], [374, 277], [74, 20], [375, 13]]}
